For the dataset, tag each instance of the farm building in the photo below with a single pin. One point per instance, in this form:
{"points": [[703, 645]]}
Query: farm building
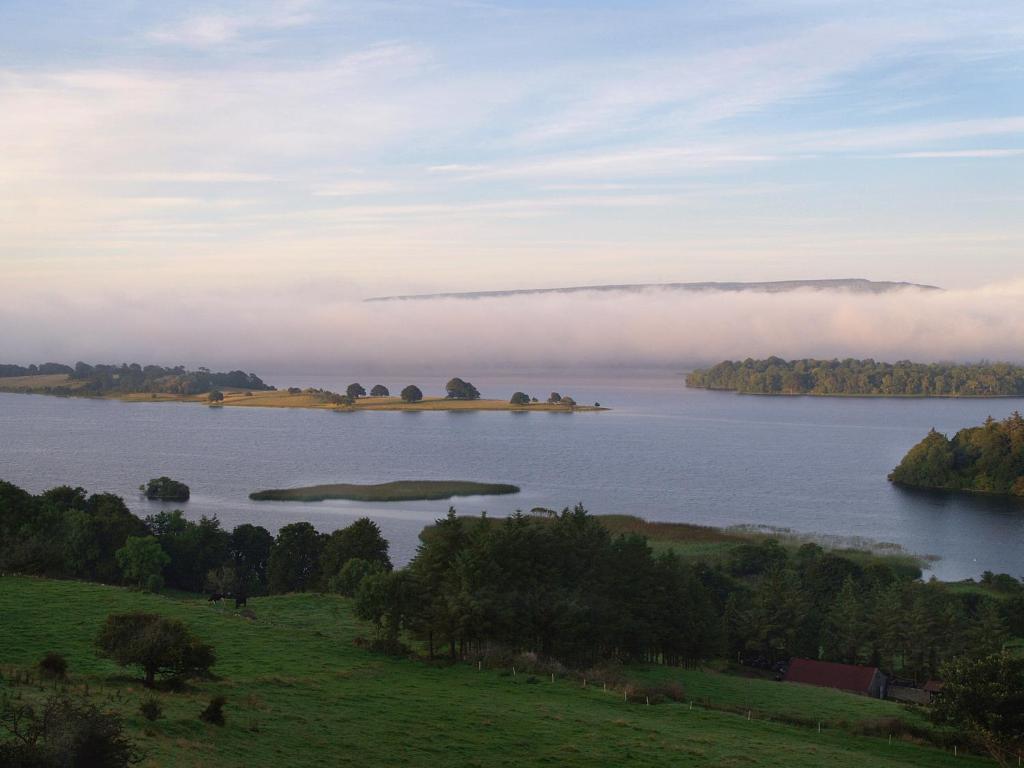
{"points": [[868, 681]]}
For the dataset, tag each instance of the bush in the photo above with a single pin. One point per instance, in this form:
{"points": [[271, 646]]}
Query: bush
{"points": [[379, 390], [154, 583], [214, 712], [53, 665], [151, 709], [215, 396], [520, 398], [412, 394], [66, 732]]}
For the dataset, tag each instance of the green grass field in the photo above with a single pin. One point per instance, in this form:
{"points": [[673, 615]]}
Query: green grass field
{"points": [[399, 490], [301, 693]]}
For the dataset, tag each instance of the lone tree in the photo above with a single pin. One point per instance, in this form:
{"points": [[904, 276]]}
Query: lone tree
{"points": [[461, 390], [412, 394], [984, 698], [142, 561], [161, 646], [216, 396], [379, 390], [554, 397], [355, 390], [520, 398]]}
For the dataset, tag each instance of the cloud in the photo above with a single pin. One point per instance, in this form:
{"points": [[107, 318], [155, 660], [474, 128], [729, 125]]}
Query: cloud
{"points": [[959, 153], [216, 29], [306, 327]]}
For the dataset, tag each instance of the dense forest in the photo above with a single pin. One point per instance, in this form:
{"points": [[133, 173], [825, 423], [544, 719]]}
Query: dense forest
{"points": [[558, 585], [85, 379], [775, 376], [987, 459]]}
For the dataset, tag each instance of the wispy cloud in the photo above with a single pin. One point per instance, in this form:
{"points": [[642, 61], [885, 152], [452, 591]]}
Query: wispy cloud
{"points": [[215, 29]]}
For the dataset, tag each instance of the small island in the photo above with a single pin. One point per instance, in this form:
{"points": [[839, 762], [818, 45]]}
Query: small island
{"points": [[985, 459], [165, 489], [158, 384], [861, 378], [399, 490]]}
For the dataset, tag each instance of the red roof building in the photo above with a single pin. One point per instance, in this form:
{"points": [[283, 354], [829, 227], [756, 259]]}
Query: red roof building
{"points": [[868, 681]]}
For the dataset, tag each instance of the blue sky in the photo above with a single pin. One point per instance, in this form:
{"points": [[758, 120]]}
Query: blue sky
{"points": [[353, 149]]}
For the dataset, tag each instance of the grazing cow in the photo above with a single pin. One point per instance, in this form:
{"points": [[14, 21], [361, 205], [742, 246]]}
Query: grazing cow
{"points": [[216, 597]]}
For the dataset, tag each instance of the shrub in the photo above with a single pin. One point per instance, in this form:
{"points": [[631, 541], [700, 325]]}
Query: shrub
{"points": [[412, 394], [214, 712], [215, 396], [53, 665], [66, 732], [520, 398], [379, 390], [151, 709]]}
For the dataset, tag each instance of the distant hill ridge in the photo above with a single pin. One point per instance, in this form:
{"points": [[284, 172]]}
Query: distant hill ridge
{"points": [[847, 285]]}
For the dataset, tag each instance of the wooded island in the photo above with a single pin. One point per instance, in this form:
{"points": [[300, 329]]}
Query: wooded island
{"points": [[985, 459], [775, 376]]}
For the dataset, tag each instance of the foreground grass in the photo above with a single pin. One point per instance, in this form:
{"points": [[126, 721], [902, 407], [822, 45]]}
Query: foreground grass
{"points": [[400, 490], [300, 693]]}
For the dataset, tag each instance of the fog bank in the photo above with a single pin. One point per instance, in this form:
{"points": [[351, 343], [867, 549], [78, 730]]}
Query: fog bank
{"points": [[653, 328]]}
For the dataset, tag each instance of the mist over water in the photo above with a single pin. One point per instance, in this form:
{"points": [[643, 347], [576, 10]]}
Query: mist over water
{"points": [[311, 329]]}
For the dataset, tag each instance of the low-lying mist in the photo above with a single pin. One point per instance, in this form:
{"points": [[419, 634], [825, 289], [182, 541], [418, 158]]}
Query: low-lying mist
{"points": [[653, 328]]}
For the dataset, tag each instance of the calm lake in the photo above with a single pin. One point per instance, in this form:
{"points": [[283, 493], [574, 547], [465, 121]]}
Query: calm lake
{"points": [[813, 465]]}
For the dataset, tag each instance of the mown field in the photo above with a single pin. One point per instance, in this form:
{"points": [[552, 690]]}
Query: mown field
{"points": [[302, 693]]}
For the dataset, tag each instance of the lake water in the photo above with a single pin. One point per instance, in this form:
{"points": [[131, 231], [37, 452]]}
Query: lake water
{"points": [[814, 465]]}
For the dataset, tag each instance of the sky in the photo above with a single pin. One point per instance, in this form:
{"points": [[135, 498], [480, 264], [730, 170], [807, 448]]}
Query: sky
{"points": [[240, 165]]}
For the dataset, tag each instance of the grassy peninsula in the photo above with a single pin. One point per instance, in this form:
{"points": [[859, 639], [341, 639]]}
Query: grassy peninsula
{"points": [[985, 459], [861, 378], [400, 490], [157, 384]]}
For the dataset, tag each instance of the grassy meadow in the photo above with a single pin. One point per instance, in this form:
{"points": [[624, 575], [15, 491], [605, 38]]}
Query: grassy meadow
{"points": [[301, 692], [400, 490]]}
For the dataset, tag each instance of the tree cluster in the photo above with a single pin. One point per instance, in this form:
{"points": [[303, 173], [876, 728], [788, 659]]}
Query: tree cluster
{"points": [[133, 377], [66, 533], [165, 489], [989, 459], [560, 586], [458, 389], [8, 369], [775, 376]]}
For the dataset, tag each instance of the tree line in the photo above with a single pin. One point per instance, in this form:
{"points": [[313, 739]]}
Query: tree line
{"points": [[559, 585], [988, 459], [66, 533], [562, 587], [129, 378], [775, 376]]}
